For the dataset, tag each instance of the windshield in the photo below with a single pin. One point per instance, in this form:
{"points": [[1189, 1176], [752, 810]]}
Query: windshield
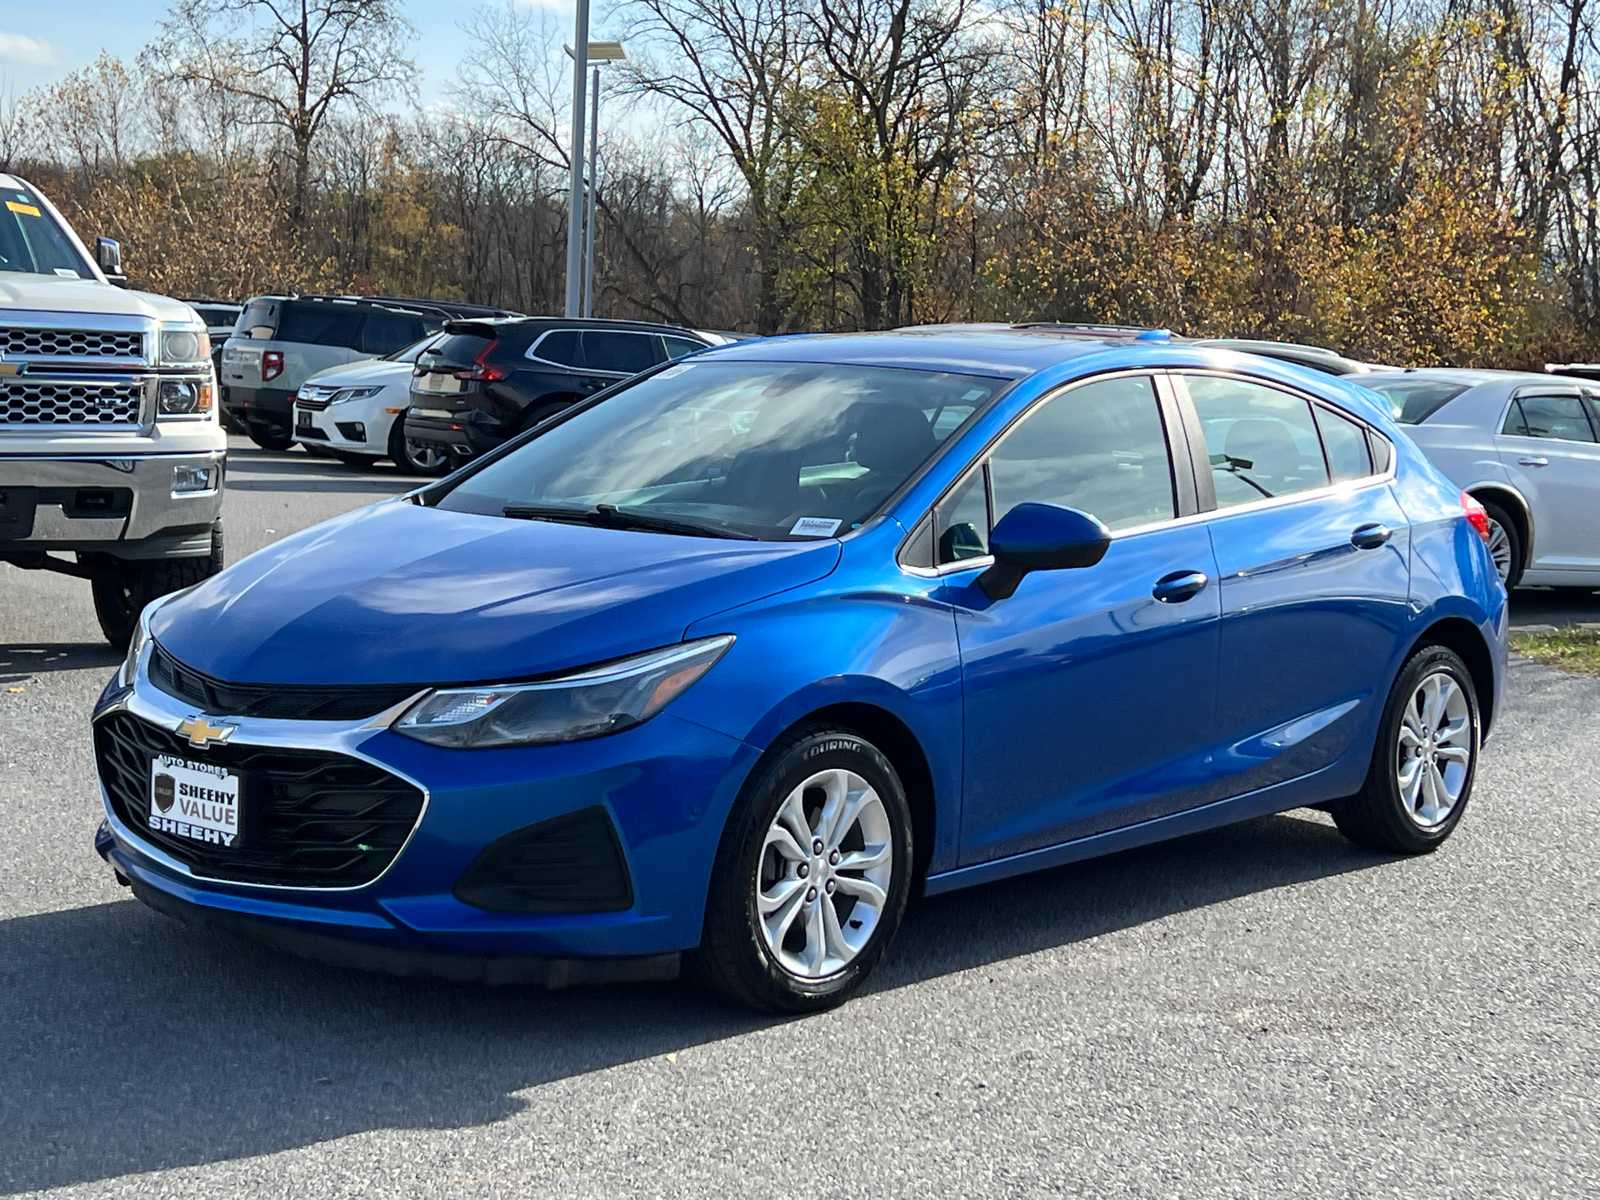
{"points": [[1413, 401], [409, 354], [32, 243], [775, 451]]}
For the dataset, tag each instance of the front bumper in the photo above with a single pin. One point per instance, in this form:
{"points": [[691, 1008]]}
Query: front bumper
{"points": [[124, 506], [667, 786], [353, 426]]}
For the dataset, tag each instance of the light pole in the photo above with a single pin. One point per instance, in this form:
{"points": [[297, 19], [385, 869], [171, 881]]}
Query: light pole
{"points": [[580, 64], [599, 52]]}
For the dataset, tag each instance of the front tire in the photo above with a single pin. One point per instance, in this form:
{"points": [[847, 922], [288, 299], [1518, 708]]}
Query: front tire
{"points": [[1425, 760], [363, 462], [122, 589], [811, 878]]}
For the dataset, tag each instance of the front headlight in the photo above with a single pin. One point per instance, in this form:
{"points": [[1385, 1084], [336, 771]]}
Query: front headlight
{"points": [[141, 636], [589, 704], [185, 346], [359, 393]]}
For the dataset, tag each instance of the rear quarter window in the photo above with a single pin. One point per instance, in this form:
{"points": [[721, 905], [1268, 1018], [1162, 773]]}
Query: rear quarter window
{"points": [[1413, 401], [320, 325]]}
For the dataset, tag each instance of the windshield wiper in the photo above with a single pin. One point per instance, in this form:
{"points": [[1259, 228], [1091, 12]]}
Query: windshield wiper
{"points": [[609, 516]]}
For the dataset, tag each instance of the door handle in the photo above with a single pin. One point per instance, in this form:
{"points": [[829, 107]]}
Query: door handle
{"points": [[1370, 537], [1533, 461], [1179, 586]]}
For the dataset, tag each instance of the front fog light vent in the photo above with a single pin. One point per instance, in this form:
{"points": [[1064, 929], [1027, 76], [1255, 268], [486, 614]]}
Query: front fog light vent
{"points": [[567, 864], [193, 479]]}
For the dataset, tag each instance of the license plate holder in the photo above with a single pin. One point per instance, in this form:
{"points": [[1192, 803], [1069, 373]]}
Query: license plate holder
{"points": [[302, 418], [196, 801], [17, 506], [438, 384]]}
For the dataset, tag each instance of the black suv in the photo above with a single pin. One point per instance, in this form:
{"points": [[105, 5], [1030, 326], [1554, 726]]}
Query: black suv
{"points": [[486, 381], [281, 341]]}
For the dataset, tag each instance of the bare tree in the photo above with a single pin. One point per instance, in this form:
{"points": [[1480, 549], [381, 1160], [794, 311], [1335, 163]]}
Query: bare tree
{"points": [[297, 61]]}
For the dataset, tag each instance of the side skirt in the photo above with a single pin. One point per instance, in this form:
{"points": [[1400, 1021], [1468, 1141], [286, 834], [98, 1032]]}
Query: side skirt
{"points": [[1280, 797]]}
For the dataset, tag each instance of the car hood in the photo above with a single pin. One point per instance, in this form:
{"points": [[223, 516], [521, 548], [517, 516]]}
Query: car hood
{"points": [[364, 370], [45, 293], [397, 593]]}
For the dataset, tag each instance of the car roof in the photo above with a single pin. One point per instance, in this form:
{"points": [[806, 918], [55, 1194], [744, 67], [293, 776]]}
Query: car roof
{"points": [[1003, 350], [1464, 376]]}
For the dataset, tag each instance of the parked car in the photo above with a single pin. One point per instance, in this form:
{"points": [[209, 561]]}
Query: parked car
{"points": [[281, 341], [1527, 447], [111, 458], [730, 662], [1318, 358], [486, 381], [357, 412]]}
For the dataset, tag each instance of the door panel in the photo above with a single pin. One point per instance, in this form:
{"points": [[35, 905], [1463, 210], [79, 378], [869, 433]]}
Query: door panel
{"points": [[1310, 620], [1088, 701], [1550, 442]]}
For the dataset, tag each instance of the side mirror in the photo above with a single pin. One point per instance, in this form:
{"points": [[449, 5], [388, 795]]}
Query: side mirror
{"points": [[108, 257], [1041, 537]]}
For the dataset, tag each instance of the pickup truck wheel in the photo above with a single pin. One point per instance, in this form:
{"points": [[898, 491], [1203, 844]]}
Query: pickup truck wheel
{"points": [[122, 589], [270, 437]]}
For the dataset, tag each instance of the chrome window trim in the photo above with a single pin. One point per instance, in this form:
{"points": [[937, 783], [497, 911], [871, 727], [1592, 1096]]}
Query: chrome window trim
{"points": [[538, 341], [1533, 391], [1383, 478], [148, 703]]}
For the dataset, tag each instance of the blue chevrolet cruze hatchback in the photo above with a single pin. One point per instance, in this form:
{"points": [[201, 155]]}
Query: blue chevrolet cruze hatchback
{"points": [[727, 663]]}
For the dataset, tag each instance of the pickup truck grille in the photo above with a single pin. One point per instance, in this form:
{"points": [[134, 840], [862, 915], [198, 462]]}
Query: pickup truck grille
{"points": [[70, 343], [25, 401]]}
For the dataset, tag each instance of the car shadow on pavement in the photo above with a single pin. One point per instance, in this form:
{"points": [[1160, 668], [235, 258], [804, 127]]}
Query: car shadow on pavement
{"points": [[130, 1043], [23, 660]]}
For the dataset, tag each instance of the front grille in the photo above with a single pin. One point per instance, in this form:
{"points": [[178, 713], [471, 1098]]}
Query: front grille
{"points": [[25, 401], [70, 343], [284, 702], [306, 818], [316, 399]]}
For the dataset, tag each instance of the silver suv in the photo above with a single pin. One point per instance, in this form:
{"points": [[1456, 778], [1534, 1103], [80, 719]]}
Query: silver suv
{"points": [[110, 450], [280, 342]]}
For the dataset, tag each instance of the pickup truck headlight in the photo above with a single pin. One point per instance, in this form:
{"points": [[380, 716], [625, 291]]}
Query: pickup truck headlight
{"points": [[588, 704], [185, 346], [183, 398]]}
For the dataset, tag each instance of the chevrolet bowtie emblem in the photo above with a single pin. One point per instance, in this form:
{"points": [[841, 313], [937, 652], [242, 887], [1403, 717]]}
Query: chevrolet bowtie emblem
{"points": [[202, 733], [11, 368]]}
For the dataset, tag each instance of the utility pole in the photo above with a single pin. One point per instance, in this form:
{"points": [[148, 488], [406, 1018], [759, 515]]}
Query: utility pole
{"points": [[580, 68]]}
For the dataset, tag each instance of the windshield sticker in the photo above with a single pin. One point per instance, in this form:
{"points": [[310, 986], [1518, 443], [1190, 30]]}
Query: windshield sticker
{"points": [[814, 527], [27, 210], [677, 369], [66, 272], [975, 394]]}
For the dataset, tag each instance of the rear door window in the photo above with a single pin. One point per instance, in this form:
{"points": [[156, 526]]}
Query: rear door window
{"points": [[321, 325], [1261, 442], [559, 346], [1346, 446], [621, 353], [386, 332], [1558, 417]]}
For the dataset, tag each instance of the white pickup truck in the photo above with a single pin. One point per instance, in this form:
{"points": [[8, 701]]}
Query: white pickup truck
{"points": [[111, 455]]}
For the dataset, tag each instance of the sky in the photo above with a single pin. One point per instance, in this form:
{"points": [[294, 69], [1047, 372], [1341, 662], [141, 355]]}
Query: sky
{"points": [[39, 43]]}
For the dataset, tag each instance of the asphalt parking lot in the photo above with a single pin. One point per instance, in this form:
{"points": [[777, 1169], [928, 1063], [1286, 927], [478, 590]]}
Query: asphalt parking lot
{"points": [[1263, 1010]]}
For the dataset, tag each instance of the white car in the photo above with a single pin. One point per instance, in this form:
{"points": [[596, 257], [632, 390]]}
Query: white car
{"points": [[1527, 447], [357, 411]]}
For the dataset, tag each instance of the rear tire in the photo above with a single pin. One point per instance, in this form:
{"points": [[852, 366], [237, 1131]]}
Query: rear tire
{"points": [[414, 460], [1505, 544], [1424, 763], [811, 878], [122, 589]]}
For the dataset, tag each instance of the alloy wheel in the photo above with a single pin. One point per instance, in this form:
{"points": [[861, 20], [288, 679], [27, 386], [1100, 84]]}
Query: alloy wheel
{"points": [[1500, 549], [823, 880], [1434, 750]]}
